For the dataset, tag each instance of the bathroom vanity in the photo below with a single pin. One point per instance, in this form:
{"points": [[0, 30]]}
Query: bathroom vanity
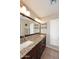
{"points": [[35, 50], [33, 43]]}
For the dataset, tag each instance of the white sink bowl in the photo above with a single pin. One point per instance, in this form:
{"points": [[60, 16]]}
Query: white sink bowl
{"points": [[26, 44]]}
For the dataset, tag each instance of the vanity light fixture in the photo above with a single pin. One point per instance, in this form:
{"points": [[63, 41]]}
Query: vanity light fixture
{"points": [[36, 19], [24, 11], [28, 13]]}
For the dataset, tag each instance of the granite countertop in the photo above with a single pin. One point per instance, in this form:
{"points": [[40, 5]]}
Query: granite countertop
{"points": [[36, 39]]}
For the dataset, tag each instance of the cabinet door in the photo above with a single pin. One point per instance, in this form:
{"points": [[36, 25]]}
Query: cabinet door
{"points": [[38, 51], [32, 53]]}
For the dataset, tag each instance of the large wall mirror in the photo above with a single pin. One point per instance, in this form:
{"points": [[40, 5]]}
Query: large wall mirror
{"points": [[28, 26]]}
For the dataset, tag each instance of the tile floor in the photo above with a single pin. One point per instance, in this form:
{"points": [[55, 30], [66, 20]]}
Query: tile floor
{"points": [[50, 54]]}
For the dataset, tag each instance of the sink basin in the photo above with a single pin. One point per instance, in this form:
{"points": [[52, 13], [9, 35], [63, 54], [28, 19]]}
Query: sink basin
{"points": [[26, 44]]}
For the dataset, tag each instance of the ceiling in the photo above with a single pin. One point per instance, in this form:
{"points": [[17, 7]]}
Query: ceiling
{"points": [[43, 9]]}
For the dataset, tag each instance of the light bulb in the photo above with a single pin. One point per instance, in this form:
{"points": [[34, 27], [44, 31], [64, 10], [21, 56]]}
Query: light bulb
{"points": [[28, 13], [24, 11]]}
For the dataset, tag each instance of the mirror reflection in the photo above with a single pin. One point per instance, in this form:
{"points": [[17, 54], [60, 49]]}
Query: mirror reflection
{"points": [[28, 26]]}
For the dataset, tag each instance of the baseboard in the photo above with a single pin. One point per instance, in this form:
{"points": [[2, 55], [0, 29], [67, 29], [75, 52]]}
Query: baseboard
{"points": [[56, 48]]}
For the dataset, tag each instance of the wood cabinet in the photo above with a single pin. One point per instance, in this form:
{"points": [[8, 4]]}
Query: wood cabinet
{"points": [[37, 51]]}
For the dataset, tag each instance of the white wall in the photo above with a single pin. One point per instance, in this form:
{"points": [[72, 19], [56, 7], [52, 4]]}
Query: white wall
{"points": [[53, 32]]}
